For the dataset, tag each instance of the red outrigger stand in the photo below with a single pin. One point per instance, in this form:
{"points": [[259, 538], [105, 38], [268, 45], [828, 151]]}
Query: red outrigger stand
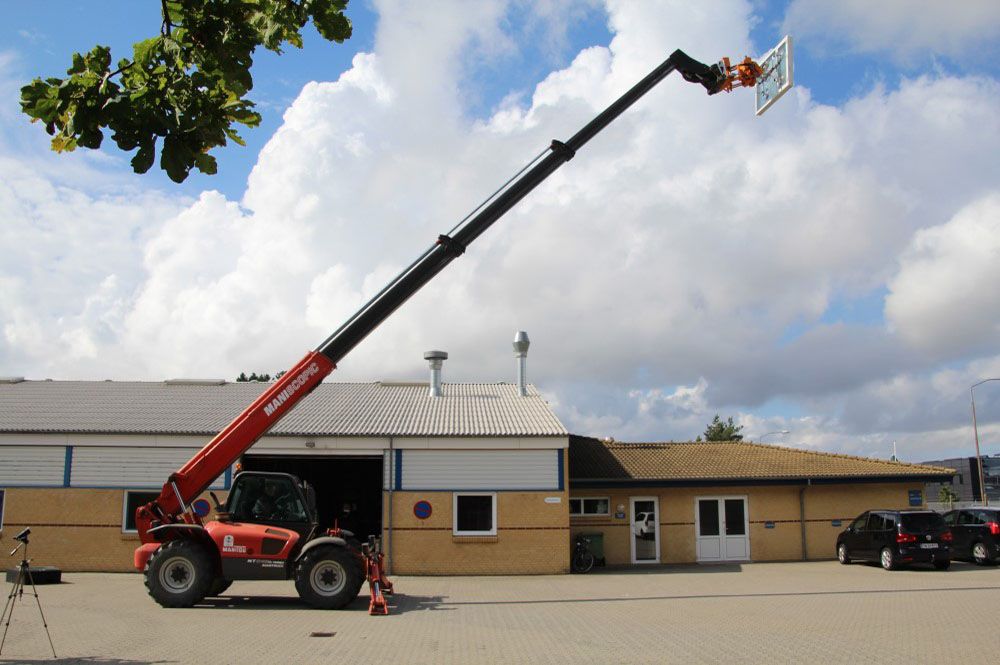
{"points": [[378, 583]]}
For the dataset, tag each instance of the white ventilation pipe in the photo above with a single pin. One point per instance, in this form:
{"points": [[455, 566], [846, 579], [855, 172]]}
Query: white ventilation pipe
{"points": [[436, 360]]}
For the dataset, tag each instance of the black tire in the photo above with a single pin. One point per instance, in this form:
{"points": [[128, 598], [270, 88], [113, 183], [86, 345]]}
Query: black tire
{"points": [[981, 554], [943, 565], [843, 556], [327, 577], [218, 586], [888, 559], [582, 562], [179, 574]]}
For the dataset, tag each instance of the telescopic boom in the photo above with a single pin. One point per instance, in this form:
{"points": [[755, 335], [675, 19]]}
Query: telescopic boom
{"points": [[221, 452]]}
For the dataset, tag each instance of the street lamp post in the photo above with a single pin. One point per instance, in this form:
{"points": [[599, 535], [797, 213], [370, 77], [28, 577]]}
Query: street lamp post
{"points": [[975, 430], [780, 431]]}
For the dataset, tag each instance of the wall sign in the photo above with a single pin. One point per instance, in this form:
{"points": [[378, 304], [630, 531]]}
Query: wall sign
{"points": [[916, 498], [834, 522], [201, 507], [422, 509], [768, 525], [553, 499]]}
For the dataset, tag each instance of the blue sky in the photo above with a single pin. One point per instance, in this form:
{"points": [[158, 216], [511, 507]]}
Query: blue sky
{"points": [[822, 270]]}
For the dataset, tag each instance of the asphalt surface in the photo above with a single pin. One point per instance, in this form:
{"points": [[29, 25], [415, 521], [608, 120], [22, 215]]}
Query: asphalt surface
{"points": [[817, 612]]}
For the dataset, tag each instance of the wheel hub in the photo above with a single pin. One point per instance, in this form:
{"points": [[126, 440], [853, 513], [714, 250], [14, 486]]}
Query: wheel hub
{"points": [[177, 575], [328, 578]]}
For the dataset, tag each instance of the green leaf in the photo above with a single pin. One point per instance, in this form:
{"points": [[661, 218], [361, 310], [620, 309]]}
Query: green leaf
{"points": [[144, 158], [144, 51], [176, 159], [206, 163]]}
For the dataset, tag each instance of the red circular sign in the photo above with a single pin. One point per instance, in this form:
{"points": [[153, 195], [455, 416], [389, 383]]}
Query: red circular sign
{"points": [[422, 509]]}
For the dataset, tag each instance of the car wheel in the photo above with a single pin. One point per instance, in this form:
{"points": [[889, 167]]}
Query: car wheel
{"points": [[842, 555], [888, 558], [943, 565], [980, 554]]}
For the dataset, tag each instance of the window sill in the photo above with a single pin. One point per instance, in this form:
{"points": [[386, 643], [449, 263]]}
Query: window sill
{"points": [[475, 539]]}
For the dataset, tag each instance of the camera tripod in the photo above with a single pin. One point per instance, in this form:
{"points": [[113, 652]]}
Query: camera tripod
{"points": [[17, 591]]}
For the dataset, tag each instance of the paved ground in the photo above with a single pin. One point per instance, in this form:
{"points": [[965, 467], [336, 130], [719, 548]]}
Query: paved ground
{"points": [[755, 613]]}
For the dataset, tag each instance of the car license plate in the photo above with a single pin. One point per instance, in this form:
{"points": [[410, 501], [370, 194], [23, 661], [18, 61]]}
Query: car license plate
{"points": [[928, 546]]}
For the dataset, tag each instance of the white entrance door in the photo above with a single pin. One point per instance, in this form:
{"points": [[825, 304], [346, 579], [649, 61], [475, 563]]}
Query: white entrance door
{"points": [[722, 528], [645, 521]]}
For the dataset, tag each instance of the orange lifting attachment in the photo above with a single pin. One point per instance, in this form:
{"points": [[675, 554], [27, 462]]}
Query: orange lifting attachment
{"points": [[740, 75]]}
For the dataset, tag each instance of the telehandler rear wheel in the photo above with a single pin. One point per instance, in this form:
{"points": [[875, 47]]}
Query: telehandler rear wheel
{"points": [[218, 586], [327, 577], [179, 574]]}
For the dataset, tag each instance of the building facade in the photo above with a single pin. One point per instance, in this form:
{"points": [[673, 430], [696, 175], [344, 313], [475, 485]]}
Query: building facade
{"points": [[965, 484], [473, 480], [651, 503]]}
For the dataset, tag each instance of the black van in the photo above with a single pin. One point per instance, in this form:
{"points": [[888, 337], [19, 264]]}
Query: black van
{"points": [[897, 537], [977, 534]]}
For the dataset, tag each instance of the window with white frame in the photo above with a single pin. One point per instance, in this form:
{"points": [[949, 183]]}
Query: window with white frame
{"points": [[583, 506], [130, 504], [475, 514]]}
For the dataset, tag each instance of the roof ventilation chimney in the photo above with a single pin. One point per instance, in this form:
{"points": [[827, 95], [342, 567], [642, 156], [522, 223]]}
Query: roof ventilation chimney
{"points": [[521, 344], [435, 359]]}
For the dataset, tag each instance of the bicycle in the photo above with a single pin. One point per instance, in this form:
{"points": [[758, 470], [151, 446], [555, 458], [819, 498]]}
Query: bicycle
{"points": [[583, 559]]}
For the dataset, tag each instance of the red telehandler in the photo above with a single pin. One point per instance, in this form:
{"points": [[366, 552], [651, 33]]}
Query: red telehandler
{"points": [[269, 528]]}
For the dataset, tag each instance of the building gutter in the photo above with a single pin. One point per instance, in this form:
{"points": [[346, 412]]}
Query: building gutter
{"points": [[595, 483]]}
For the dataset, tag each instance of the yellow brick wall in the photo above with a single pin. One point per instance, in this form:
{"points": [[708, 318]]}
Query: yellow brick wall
{"points": [[532, 536], [73, 529], [777, 504]]}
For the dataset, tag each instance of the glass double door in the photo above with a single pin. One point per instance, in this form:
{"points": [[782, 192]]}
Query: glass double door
{"points": [[722, 528]]}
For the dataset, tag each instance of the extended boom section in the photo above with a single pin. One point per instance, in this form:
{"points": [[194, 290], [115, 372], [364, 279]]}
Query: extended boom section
{"points": [[269, 528]]}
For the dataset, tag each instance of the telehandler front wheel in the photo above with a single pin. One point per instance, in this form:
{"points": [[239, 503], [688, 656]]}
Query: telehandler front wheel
{"points": [[179, 574], [327, 577]]}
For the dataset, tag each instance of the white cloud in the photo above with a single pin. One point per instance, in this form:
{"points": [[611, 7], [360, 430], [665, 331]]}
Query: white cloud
{"points": [[909, 29], [944, 299], [657, 273]]}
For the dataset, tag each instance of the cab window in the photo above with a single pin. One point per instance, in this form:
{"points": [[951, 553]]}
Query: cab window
{"points": [[268, 499]]}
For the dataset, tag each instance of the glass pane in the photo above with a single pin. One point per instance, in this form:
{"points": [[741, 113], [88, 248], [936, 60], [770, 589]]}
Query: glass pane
{"points": [[949, 518], [595, 506], [475, 513], [574, 506], [919, 522], [735, 515], [859, 523], [708, 517]]}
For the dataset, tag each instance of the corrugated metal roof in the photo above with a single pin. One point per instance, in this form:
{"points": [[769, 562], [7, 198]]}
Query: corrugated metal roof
{"points": [[333, 409], [592, 459]]}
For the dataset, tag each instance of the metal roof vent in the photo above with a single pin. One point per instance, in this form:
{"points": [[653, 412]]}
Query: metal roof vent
{"points": [[521, 344], [436, 360]]}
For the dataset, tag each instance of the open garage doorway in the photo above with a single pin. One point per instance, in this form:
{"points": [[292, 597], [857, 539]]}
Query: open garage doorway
{"points": [[352, 482]]}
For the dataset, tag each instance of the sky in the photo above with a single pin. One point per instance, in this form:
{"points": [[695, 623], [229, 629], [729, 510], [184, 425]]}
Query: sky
{"points": [[830, 268]]}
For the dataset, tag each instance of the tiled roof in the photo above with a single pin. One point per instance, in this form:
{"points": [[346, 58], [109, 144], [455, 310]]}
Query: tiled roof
{"points": [[601, 461], [333, 409]]}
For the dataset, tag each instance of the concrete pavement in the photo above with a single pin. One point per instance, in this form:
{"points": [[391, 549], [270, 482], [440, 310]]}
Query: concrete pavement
{"points": [[738, 613]]}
